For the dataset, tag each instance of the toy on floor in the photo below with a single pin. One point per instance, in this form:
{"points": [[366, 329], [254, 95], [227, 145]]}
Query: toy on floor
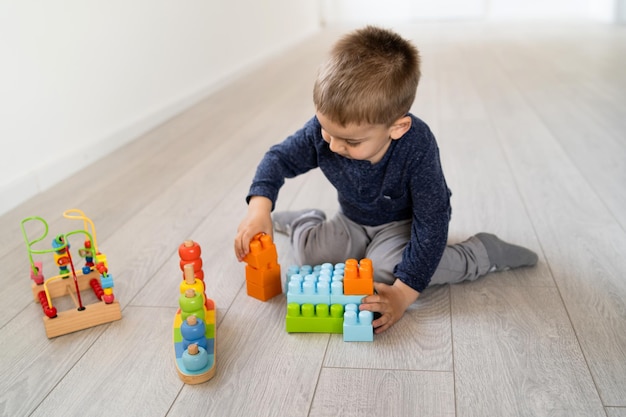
{"points": [[262, 269], [94, 274], [194, 323], [325, 299]]}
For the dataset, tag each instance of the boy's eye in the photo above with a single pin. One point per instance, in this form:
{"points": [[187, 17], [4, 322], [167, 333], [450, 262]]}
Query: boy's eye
{"points": [[352, 143]]}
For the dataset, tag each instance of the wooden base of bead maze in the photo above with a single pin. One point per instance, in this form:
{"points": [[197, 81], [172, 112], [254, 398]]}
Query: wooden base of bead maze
{"points": [[70, 321], [74, 320], [206, 373]]}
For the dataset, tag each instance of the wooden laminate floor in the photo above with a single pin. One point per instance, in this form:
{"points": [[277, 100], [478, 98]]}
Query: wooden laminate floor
{"points": [[531, 122]]}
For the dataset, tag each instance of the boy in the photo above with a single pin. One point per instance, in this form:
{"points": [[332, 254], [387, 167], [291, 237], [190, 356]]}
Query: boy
{"points": [[384, 163]]}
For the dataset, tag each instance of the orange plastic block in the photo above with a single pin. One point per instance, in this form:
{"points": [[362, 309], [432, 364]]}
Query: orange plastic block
{"points": [[358, 278], [263, 271], [262, 252], [263, 293], [263, 277]]}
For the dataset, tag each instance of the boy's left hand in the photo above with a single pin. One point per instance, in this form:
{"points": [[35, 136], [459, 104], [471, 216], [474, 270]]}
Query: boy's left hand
{"points": [[391, 301]]}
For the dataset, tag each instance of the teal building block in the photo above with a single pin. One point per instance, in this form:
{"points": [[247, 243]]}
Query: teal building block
{"points": [[321, 284], [321, 318], [309, 289], [357, 325], [317, 270]]}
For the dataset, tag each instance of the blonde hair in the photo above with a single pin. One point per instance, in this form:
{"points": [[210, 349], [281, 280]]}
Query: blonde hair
{"points": [[370, 77]]}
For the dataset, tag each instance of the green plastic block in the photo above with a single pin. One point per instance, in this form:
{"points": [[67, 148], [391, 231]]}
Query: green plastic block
{"points": [[309, 318]]}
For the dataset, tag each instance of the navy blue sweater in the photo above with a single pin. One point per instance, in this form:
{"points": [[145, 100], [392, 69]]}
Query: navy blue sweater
{"points": [[407, 183]]}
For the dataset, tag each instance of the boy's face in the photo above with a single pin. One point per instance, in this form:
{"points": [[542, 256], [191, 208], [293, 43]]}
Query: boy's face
{"points": [[364, 142]]}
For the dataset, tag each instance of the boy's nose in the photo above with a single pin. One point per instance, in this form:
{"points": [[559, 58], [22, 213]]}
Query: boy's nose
{"points": [[334, 145]]}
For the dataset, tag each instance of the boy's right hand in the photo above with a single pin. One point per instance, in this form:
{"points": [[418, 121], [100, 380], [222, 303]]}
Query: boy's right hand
{"points": [[258, 220], [391, 301]]}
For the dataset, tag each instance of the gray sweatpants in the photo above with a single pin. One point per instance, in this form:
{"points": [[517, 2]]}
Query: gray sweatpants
{"points": [[340, 238]]}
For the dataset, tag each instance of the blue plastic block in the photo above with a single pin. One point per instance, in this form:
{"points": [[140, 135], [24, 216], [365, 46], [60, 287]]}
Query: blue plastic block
{"points": [[357, 325], [292, 270], [337, 296], [309, 289], [299, 270], [315, 270]]}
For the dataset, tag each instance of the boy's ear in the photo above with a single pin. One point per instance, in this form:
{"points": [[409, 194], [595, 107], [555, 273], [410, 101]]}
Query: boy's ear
{"points": [[400, 127]]}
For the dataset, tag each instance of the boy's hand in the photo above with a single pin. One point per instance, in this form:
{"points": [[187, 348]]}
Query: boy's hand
{"points": [[258, 220], [391, 301]]}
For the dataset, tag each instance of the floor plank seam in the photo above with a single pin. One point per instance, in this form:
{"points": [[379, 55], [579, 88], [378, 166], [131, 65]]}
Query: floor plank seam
{"points": [[563, 303]]}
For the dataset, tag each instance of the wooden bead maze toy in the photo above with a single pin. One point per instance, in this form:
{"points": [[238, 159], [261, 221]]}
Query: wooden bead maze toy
{"points": [[69, 281], [194, 322]]}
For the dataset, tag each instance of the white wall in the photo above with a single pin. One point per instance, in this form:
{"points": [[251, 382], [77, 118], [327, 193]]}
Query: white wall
{"points": [[374, 11], [79, 78], [620, 11], [601, 10]]}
